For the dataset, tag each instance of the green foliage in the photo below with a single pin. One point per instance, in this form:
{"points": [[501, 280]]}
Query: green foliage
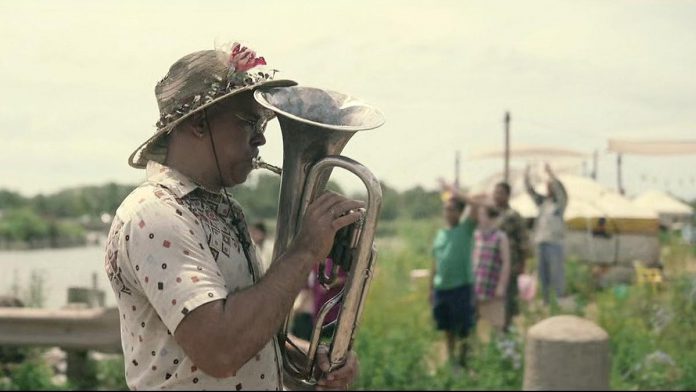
{"points": [[50, 220], [395, 339], [418, 203], [34, 374], [76, 202], [9, 199], [650, 333], [390, 203], [579, 282], [397, 342], [31, 375], [23, 224], [73, 202], [67, 229], [110, 374], [260, 201]]}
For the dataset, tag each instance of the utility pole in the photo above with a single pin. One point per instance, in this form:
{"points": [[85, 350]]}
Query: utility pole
{"points": [[456, 169], [507, 147], [594, 165], [618, 174]]}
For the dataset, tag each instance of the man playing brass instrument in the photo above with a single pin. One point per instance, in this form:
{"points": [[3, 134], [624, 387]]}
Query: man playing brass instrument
{"points": [[197, 310]]}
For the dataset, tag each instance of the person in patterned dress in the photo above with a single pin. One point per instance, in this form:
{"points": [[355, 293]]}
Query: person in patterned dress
{"points": [[491, 259], [197, 309], [515, 227]]}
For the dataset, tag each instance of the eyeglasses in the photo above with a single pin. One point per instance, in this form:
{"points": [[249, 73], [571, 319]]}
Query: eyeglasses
{"points": [[256, 125]]}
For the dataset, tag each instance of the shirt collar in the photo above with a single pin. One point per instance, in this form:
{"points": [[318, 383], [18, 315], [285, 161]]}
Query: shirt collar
{"points": [[170, 178]]}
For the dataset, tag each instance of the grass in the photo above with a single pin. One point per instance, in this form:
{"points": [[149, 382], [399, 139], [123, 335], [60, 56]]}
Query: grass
{"points": [[651, 333], [398, 345]]}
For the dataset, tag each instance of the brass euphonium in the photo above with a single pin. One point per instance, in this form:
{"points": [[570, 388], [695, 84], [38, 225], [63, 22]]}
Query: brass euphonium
{"points": [[316, 124]]}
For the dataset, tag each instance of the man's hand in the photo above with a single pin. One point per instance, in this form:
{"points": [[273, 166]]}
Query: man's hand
{"points": [[479, 199], [339, 379], [323, 218], [449, 188], [548, 169]]}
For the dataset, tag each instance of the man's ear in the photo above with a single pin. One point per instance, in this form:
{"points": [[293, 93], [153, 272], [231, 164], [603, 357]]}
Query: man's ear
{"points": [[197, 125]]}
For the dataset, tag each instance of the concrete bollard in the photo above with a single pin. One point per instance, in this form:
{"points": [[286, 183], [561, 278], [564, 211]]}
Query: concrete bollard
{"points": [[566, 353]]}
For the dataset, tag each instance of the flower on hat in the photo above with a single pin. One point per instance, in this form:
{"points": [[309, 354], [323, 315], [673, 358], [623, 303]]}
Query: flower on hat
{"points": [[243, 59]]}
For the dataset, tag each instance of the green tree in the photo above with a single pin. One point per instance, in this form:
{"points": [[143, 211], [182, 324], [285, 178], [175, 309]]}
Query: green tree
{"points": [[391, 203], [260, 201], [23, 224], [421, 204], [9, 199]]}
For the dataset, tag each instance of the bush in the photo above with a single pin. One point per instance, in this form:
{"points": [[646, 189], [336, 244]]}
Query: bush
{"points": [[23, 224], [31, 375], [651, 336]]}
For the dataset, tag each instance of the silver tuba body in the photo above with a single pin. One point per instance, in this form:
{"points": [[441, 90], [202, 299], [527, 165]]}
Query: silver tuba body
{"points": [[316, 125]]}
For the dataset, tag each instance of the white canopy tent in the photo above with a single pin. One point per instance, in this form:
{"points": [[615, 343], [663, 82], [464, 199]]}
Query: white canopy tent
{"points": [[650, 147], [653, 147], [672, 212], [531, 152], [631, 231]]}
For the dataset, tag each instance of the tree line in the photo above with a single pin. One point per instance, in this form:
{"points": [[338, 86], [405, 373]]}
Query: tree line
{"points": [[64, 217], [260, 201]]}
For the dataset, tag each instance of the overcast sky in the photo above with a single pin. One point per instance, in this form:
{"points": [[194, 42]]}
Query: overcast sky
{"points": [[78, 80]]}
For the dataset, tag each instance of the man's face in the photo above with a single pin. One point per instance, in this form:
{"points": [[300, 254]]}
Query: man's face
{"points": [[500, 196], [451, 212], [236, 140]]}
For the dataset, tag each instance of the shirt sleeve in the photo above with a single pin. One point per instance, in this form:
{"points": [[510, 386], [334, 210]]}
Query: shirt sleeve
{"points": [[170, 259], [523, 240], [561, 195], [469, 226], [536, 197]]}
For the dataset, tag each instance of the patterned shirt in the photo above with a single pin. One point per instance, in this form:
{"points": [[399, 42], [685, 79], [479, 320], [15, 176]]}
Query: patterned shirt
{"points": [[488, 263], [173, 246], [514, 226]]}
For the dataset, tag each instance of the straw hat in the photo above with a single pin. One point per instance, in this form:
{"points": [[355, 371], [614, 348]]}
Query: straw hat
{"points": [[197, 81]]}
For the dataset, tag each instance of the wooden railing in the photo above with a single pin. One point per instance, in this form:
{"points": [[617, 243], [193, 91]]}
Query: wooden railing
{"points": [[78, 329], [84, 325]]}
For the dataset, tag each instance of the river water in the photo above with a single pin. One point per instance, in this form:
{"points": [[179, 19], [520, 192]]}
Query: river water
{"points": [[59, 269]]}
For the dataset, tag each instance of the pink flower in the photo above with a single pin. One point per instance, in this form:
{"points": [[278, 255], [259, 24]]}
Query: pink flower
{"points": [[244, 59]]}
